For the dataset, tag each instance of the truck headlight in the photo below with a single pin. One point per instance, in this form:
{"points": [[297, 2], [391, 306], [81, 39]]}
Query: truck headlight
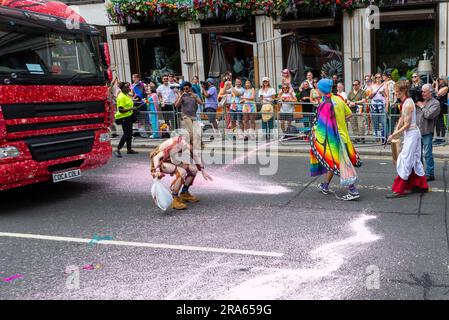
{"points": [[9, 152], [104, 137]]}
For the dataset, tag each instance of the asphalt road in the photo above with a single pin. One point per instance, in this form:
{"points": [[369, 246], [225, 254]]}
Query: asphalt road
{"points": [[250, 237]]}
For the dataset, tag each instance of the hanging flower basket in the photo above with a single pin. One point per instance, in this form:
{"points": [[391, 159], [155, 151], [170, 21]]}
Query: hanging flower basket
{"points": [[171, 11]]}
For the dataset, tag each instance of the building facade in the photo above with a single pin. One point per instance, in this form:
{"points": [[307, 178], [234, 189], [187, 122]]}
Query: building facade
{"points": [[347, 44]]}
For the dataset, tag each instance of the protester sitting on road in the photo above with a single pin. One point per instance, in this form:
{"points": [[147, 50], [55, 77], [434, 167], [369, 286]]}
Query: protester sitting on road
{"points": [[124, 117], [164, 161], [426, 114]]}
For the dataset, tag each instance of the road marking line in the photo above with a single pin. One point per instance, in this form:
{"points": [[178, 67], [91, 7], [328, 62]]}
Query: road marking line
{"points": [[143, 244]]}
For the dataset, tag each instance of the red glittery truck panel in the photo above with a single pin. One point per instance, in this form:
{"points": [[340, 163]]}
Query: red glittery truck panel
{"points": [[53, 8], [23, 170]]}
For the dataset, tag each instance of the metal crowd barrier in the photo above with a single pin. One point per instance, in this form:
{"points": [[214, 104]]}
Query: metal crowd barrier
{"points": [[288, 128]]}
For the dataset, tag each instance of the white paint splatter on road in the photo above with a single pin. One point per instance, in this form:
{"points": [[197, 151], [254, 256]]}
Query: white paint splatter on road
{"points": [[330, 257]]}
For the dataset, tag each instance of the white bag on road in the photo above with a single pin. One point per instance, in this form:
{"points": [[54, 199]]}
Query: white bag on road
{"points": [[161, 196]]}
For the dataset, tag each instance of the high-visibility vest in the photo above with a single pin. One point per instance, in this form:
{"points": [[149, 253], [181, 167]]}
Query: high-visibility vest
{"points": [[125, 102]]}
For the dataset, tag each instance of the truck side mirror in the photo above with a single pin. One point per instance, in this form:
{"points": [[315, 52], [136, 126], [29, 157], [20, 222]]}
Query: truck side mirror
{"points": [[106, 59]]}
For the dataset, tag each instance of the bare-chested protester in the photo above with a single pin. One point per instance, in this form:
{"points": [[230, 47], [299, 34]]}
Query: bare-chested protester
{"points": [[165, 159]]}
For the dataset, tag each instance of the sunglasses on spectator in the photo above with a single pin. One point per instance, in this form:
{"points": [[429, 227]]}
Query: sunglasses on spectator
{"points": [[415, 77], [355, 84]]}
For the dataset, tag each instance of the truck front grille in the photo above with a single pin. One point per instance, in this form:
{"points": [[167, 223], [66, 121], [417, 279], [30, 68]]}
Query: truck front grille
{"points": [[45, 148], [34, 119], [36, 110]]}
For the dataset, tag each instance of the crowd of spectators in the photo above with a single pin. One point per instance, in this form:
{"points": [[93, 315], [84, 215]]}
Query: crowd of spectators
{"points": [[240, 104]]}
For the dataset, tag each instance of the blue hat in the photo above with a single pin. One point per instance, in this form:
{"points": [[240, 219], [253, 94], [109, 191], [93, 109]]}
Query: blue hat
{"points": [[325, 85], [210, 80]]}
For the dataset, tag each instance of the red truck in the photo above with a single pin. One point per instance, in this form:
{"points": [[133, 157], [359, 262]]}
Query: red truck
{"points": [[54, 111]]}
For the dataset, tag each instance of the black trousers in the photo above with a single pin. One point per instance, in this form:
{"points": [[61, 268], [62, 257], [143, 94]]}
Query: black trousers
{"points": [[127, 126], [440, 127], [170, 116]]}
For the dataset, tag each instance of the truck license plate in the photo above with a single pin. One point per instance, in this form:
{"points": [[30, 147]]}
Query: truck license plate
{"points": [[67, 175]]}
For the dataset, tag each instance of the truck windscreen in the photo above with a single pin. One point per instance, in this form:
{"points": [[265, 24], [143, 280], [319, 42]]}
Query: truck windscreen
{"points": [[50, 58]]}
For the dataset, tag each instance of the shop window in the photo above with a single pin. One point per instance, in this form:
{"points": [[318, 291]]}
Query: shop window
{"points": [[154, 57], [239, 56], [321, 50], [400, 45]]}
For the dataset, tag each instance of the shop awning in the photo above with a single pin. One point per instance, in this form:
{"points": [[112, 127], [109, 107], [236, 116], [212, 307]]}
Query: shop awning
{"points": [[139, 34], [302, 24], [409, 15], [229, 28]]}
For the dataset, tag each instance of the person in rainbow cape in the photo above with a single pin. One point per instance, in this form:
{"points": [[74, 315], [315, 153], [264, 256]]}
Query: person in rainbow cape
{"points": [[332, 152]]}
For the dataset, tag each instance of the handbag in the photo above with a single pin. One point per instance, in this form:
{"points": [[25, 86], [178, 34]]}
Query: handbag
{"points": [[396, 147], [223, 101], [267, 112]]}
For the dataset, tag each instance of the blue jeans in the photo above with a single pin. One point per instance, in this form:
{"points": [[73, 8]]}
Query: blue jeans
{"points": [[427, 153], [377, 110]]}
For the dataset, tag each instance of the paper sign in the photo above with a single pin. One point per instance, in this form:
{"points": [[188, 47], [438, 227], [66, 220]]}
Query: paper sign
{"points": [[35, 68]]}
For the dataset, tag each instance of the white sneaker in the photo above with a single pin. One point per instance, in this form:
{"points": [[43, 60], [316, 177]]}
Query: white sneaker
{"points": [[351, 196]]}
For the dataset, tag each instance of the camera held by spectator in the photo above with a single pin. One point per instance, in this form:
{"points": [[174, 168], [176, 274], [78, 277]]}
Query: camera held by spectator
{"points": [[205, 84]]}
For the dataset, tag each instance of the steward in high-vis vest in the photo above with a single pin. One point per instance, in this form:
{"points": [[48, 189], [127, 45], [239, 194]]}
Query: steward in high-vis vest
{"points": [[124, 117]]}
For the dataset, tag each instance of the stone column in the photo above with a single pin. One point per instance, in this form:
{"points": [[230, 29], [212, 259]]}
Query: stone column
{"points": [[269, 53], [356, 47], [191, 46], [443, 39], [119, 54]]}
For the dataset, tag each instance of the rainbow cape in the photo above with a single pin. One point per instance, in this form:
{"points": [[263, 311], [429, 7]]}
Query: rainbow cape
{"points": [[325, 142]]}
